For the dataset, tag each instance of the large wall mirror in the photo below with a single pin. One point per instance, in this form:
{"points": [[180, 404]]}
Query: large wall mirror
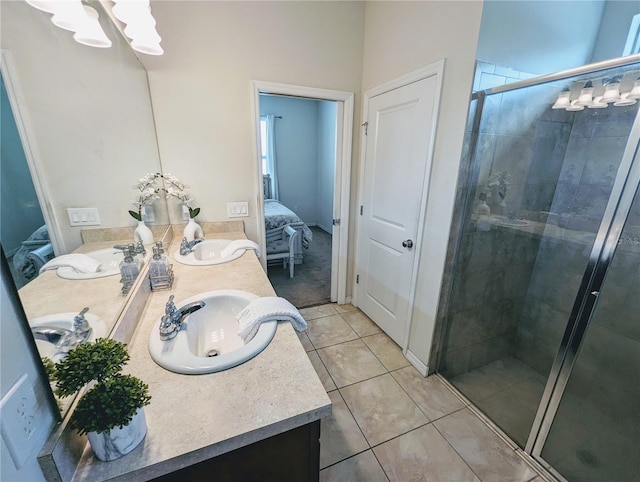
{"points": [[77, 132]]}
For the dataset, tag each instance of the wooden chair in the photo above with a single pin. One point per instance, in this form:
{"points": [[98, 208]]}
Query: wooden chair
{"points": [[284, 248]]}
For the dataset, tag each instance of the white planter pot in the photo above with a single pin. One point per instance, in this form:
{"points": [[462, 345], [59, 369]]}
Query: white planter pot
{"points": [[193, 230], [113, 444], [143, 233]]}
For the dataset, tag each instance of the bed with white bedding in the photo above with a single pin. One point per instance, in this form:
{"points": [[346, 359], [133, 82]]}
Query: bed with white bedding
{"points": [[277, 216]]}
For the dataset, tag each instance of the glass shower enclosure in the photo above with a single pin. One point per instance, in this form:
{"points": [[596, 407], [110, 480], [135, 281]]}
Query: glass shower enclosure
{"points": [[542, 326]]}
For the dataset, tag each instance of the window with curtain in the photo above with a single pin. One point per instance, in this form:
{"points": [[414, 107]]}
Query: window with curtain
{"points": [[268, 151]]}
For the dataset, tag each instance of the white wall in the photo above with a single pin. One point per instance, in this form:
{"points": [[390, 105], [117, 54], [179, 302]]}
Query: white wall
{"points": [[401, 37], [16, 359], [327, 112], [296, 152], [614, 28], [88, 114], [201, 86], [539, 37]]}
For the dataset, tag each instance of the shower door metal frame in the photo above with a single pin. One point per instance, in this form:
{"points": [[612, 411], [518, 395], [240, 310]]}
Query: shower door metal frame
{"points": [[626, 184]]}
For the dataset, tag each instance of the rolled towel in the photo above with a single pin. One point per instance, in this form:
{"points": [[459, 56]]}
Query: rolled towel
{"points": [[267, 309], [237, 244], [76, 261]]}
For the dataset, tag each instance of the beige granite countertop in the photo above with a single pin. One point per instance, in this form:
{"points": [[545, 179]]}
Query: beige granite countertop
{"points": [[192, 418]]}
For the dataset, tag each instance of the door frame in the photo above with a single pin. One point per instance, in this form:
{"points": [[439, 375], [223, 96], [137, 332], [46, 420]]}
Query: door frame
{"points": [[342, 176], [437, 69], [31, 153]]}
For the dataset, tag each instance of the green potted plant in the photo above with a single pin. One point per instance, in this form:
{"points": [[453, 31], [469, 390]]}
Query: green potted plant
{"points": [[111, 411]]}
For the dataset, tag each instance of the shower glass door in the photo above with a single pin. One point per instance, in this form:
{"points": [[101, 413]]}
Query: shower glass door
{"points": [[595, 434], [536, 195]]}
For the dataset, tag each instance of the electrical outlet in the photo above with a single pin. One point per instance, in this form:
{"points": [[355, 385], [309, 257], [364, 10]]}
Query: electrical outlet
{"points": [[18, 409]]}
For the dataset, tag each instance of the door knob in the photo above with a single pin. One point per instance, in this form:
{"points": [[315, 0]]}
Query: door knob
{"points": [[407, 244]]}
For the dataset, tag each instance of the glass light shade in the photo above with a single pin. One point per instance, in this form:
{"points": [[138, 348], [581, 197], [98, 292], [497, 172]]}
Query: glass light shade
{"points": [[574, 107], [129, 11], [562, 102], [44, 5], [624, 100], [141, 28], [90, 32], [69, 14], [145, 48], [611, 92], [597, 103], [635, 92], [586, 97]]}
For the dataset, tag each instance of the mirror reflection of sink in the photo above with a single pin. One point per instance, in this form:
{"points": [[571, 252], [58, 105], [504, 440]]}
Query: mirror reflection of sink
{"points": [[64, 321], [109, 260], [208, 341], [506, 221], [207, 253]]}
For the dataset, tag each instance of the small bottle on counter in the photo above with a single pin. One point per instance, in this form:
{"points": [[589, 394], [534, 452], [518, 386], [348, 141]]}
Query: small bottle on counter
{"points": [[129, 268], [160, 271]]}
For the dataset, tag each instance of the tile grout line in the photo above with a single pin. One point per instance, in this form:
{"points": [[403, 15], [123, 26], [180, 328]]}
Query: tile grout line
{"points": [[454, 449]]}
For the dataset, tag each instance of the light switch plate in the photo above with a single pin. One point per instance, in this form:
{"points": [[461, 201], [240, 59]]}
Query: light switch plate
{"points": [[238, 210], [83, 216]]}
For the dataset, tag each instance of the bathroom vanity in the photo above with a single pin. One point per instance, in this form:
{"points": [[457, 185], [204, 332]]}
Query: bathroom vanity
{"points": [[257, 421]]}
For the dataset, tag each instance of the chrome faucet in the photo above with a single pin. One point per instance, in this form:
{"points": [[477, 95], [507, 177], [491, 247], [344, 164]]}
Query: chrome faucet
{"points": [[171, 322], [62, 338], [186, 247], [139, 249]]}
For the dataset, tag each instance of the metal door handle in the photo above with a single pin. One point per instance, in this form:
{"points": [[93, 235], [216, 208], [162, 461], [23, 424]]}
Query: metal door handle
{"points": [[407, 244]]}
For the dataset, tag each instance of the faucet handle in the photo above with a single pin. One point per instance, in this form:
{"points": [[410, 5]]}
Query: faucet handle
{"points": [[81, 328], [170, 307]]}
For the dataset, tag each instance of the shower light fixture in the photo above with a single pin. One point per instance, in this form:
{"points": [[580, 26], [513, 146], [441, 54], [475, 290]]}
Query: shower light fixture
{"points": [[574, 107], [611, 90], [597, 103], [83, 20], [586, 95], [635, 92], [562, 102]]}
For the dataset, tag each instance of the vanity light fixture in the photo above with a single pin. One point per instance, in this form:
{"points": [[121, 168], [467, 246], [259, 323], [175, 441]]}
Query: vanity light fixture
{"points": [[82, 19], [611, 90], [574, 107], [635, 91], [586, 95], [597, 103], [562, 102]]}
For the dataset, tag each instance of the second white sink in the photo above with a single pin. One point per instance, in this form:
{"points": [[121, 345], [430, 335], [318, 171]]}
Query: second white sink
{"points": [[208, 341], [207, 253], [65, 321], [109, 260]]}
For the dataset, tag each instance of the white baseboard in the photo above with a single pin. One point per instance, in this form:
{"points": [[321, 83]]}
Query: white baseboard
{"points": [[421, 367], [348, 300], [325, 229]]}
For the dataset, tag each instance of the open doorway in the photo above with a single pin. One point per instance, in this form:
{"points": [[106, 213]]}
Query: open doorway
{"points": [[307, 188], [298, 153]]}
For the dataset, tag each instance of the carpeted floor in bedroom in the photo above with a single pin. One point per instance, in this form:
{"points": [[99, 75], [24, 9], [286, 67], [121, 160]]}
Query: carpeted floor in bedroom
{"points": [[311, 284]]}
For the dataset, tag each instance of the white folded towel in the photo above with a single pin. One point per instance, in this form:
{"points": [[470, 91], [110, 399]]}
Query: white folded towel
{"points": [[80, 263], [267, 309], [237, 244]]}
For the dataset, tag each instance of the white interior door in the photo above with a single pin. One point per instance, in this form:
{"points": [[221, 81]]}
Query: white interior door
{"points": [[399, 137]]}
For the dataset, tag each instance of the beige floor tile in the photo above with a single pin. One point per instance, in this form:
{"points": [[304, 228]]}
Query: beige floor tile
{"points": [[361, 323], [318, 311], [386, 350], [304, 339], [486, 453], [362, 468], [422, 455], [329, 330], [382, 409], [350, 362], [430, 394], [345, 308], [340, 437], [321, 370]]}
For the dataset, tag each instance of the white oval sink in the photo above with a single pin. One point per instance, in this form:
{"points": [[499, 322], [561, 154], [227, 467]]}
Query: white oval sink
{"points": [[207, 253], [65, 321], [208, 341], [109, 260]]}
